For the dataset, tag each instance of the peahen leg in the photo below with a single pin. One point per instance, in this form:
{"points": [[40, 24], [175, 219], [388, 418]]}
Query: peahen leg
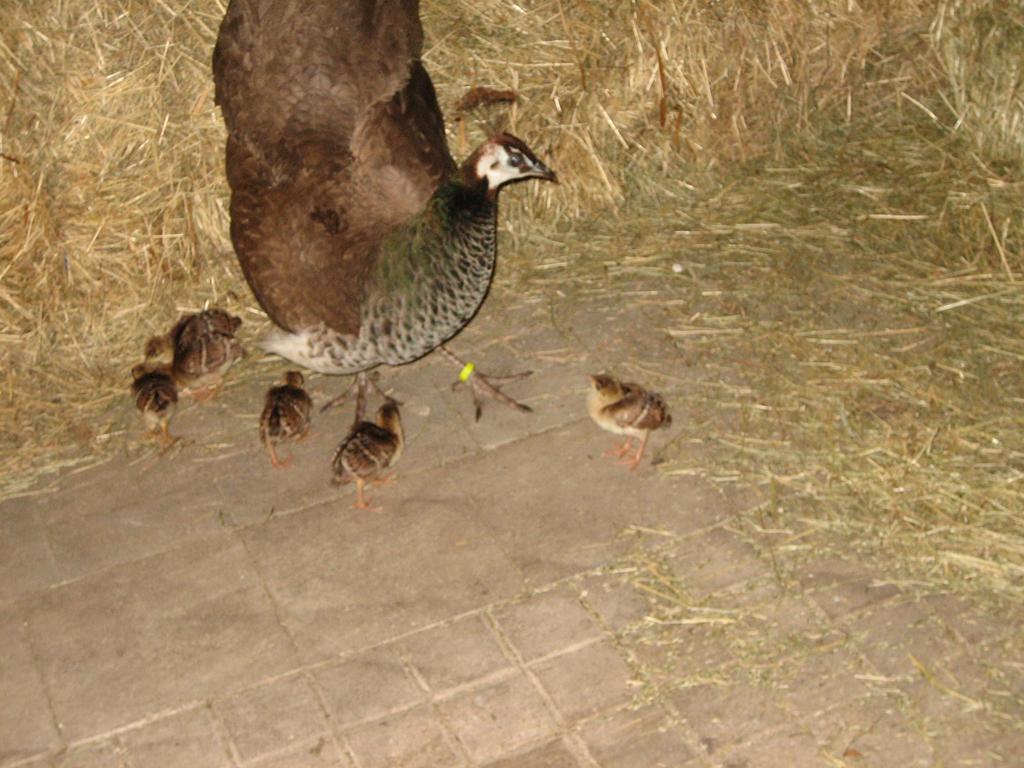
{"points": [[362, 384]]}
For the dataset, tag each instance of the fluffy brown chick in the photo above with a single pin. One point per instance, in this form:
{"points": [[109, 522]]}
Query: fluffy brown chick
{"points": [[626, 409], [194, 326], [156, 397], [368, 450], [285, 415], [189, 328], [199, 366]]}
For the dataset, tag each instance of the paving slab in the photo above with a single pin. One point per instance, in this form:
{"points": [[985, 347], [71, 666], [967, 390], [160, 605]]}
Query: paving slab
{"points": [[971, 740], [630, 738], [346, 579], [104, 754], [976, 625], [795, 745], [27, 561], [155, 634], [721, 715], [185, 740], [499, 719], [585, 682], [320, 752], [96, 536], [716, 559], [414, 738], [872, 732], [840, 587], [546, 623], [554, 754], [954, 689], [617, 603], [550, 528], [894, 636], [696, 507], [455, 654], [368, 686], [681, 652], [823, 679], [27, 724], [272, 717]]}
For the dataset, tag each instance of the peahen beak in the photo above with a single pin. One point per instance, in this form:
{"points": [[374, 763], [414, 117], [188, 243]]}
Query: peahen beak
{"points": [[541, 171]]}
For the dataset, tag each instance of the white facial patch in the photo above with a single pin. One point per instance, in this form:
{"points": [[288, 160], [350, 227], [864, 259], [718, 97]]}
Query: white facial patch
{"points": [[495, 166]]}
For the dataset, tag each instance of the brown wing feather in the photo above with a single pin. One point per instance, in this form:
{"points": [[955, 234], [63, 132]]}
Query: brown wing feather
{"points": [[285, 413], [639, 409], [335, 137], [155, 392], [365, 452]]}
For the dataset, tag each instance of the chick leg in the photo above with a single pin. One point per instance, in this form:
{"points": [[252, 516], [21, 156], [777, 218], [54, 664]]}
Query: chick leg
{"points": [[621, 450], [385, 480], [165, 433], [277, 462], [205, 393], [632, 463], [484, 385], [361, 501]]}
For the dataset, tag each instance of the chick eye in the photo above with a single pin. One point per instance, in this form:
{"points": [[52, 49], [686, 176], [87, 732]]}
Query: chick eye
{"points": [[515, 159]]}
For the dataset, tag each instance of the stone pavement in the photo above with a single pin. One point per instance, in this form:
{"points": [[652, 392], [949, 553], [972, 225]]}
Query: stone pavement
{"points": [[518, 602]]}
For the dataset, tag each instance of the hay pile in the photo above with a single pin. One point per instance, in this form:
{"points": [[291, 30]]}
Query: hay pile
{"points": [[112, 208], [841, 183]]}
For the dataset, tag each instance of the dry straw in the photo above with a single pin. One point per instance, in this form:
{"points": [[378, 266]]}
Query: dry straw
{"points": [[840, 183]]}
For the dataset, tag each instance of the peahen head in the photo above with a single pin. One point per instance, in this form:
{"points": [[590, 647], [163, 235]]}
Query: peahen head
{"points": [[503, 159]]}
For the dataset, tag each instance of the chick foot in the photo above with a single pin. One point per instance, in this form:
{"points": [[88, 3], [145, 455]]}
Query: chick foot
{"points": [[361, 501], [276, 461], [204, 394], [621, 450], [634, 462]]}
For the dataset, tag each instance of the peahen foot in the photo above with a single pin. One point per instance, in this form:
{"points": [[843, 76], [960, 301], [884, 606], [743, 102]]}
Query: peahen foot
{"points": [[481, 385]]}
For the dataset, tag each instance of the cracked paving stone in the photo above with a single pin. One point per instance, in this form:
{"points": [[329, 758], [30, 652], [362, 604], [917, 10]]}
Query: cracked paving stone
{"points": [[456, 653], [584, 682], [271, 717], [632, 738], [546, 623], [184, 740], [411, 739], [494, 721], [368, 686]]}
